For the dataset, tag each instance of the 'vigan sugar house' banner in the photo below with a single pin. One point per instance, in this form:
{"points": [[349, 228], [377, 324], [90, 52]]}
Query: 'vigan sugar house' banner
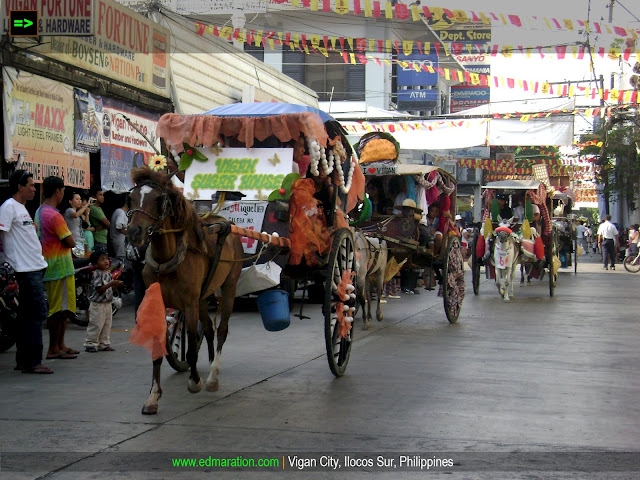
{"points": [[38, 128], [123, 148]]}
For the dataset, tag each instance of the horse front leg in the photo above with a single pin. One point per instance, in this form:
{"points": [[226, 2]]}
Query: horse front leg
{"points": [[191, 319], [506, 287], [150, 407], [379, 285]]}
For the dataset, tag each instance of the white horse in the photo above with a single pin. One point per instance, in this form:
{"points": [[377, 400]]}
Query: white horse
{"points": [[371, 261], [505, 258]]}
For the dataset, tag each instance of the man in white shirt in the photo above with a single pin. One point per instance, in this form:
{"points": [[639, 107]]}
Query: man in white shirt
{"points": [[118, 229], [24, 253], [581, 231], [608, 241]]}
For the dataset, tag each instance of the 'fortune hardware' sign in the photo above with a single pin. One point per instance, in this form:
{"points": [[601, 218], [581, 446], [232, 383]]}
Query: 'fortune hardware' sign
{"points": [[55, 17]]}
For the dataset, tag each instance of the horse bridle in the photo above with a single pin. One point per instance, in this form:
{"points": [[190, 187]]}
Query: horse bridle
{"points": [[165, 210]]}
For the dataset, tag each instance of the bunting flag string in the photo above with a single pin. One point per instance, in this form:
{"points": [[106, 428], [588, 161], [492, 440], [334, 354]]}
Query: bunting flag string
{"points": [[441, 18], [299, 42], [327, 43]]}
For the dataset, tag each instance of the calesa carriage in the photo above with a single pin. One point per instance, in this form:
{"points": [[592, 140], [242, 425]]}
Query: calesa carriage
{"points": [[280, 177], [412, 208], [517, 228]]}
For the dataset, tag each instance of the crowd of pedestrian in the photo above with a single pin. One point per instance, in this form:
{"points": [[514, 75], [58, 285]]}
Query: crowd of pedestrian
{"points": [[40, 250]]}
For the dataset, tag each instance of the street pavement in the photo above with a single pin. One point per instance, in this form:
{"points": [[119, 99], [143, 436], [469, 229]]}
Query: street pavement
{"points": [[536, 388]]}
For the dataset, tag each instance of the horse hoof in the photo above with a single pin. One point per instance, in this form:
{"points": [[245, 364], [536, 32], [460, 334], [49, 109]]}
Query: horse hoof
{"points": [[506, 300], [194, 387], [366, 326], [379, 318], [149, 409], [212, 386]]}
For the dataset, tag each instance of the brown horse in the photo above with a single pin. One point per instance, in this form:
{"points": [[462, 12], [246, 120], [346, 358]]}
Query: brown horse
{"points": [[191, 260]]}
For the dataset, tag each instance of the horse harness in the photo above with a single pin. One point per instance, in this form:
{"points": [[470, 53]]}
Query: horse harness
{"points": [[224, 228]]}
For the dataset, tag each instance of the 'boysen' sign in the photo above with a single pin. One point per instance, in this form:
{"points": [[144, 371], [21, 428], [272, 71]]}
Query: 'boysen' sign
{"points": [[55, 17], [256, 172]]}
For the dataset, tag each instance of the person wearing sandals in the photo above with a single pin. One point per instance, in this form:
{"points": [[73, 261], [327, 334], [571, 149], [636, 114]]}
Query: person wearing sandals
{"points": [[100, 316], [24, 253], [59, 280]]}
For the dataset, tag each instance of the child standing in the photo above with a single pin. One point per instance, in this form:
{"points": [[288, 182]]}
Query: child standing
{"points": [[99, 326]]}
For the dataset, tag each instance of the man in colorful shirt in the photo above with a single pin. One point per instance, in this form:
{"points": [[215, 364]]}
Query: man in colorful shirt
{"points": [[24, 253], [59, 279]]}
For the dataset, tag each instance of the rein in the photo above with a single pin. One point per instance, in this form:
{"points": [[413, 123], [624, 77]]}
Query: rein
{"points": [[165, 211]]}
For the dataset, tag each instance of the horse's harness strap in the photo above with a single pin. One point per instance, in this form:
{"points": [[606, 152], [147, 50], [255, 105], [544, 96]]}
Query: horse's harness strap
{"points": [[223, 229], [173, 264]]}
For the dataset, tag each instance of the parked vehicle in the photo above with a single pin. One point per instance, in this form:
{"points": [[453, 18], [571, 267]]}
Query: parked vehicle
{"points": [[8, 307]]}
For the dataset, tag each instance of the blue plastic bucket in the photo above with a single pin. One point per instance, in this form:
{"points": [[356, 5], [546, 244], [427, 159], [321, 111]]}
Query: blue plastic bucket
{"points": [[274, 309]]}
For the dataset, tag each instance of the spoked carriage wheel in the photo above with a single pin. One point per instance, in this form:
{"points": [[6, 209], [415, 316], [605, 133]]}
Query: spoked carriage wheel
{"points": [[453, 279], [552, 251], [177, 342], [341, 259], [475, 264]]}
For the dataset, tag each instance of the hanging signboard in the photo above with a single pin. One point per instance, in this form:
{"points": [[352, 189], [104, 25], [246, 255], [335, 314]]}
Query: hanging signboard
{"points": [[414, 74], [247, 214], [122, 147], [88, 121], [255, 172], [125, 47], [55, 17], [38, 127]]}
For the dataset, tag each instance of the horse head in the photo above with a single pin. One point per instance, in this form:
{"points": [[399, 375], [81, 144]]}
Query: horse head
{"points": [[153, 202]]}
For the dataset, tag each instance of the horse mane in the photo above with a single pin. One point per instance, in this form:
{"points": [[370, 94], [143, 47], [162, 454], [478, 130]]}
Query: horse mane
{"points": [[183, 212]]}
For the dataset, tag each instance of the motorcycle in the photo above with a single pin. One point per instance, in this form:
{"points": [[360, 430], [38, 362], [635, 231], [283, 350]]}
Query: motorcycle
{"points": [[84, 290], [8, 307]]}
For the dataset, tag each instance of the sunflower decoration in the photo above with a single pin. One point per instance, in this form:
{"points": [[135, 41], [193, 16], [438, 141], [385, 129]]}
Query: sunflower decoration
{"points": [[157, 163]]}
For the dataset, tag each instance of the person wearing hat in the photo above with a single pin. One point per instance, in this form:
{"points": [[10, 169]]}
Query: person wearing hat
{"points": [[505, 210], [535, 222]]}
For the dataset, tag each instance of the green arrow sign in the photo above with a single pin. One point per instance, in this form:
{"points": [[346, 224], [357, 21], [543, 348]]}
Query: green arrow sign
{"points": [[22, 23]]}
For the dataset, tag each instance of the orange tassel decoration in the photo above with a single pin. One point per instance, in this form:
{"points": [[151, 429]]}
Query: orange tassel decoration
{"points": [[150, 331], [308, 226]]}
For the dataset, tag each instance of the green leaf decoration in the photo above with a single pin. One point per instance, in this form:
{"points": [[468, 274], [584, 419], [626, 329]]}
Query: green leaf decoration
{"points": [[365, 214], [528, 210], [185, 161], [495, 210], [201, 157], [287, 182]]}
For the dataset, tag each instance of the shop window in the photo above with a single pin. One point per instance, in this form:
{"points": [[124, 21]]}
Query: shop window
{"points": [[255, 52], [323, 74]]}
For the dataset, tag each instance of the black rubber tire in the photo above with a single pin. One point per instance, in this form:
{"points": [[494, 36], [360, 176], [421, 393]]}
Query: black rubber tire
{"points": [[627, 263], [575, 256], [341, 258], [453, 267], [177, 348]]}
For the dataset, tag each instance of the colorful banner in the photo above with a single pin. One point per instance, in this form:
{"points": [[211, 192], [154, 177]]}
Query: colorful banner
{"points": [[295, 41], [443, 18], [38, 125], [88, 121], [126, 47], [122, 147], [256, 172]]}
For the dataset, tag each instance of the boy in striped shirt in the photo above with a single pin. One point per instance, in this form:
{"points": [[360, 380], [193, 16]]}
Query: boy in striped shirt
{"points": [[100, 317]]}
